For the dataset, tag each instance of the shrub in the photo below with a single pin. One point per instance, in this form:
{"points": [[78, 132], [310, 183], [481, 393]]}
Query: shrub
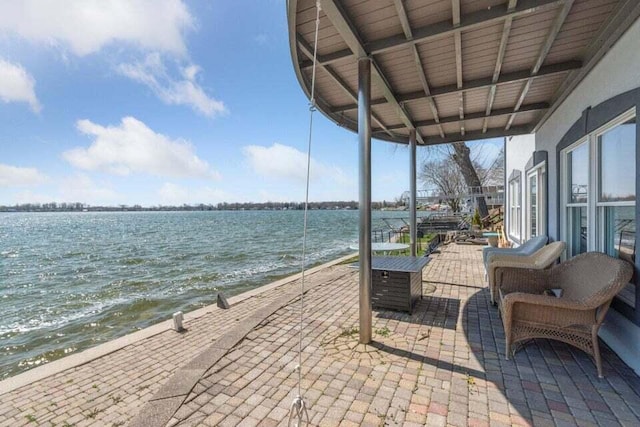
{"points": [[476, 220]]}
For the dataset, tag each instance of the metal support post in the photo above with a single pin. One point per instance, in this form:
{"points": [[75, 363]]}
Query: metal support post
{"points": [[413, 221], [364, 144]]}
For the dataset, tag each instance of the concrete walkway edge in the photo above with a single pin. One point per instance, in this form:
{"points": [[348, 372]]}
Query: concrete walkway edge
{"points": [[164, 404]]}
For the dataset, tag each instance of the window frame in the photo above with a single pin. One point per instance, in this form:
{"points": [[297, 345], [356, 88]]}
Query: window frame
{"points": [[595, 208], [591, 119], [565, 191], [515, 204], [539, 172]]}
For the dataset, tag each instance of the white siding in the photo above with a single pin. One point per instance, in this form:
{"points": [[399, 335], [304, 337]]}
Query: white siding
{"points": [[616, 73], [518, 151]]}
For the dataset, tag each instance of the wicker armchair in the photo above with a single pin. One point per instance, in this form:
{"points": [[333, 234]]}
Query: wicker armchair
{"points": [[588, 281], [539, 260]]}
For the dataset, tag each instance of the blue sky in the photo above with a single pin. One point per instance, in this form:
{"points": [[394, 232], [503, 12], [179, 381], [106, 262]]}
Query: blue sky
{"points": [[166, 102]]}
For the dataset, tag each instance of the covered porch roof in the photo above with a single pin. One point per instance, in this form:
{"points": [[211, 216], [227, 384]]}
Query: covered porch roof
{"points": [[453, 70]]}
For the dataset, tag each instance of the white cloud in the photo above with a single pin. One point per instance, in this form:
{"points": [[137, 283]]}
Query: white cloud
{"points": [[28, 196], [282, 162], [77, 188], [270, 196], [132, 147], [182, 90], [81, 188], [86, 26], [173, 194], [16, 85], [13, 176], [262, 39], [277, 161], [285, 162]]}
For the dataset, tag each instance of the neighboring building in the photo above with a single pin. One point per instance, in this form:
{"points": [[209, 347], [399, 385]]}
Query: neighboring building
{"points": [[575, 178]]}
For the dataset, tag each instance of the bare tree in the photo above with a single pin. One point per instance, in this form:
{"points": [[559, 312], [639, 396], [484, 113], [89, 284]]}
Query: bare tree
{"points": [[462, 157], [470, 166], [494, 175], [444, 177]]}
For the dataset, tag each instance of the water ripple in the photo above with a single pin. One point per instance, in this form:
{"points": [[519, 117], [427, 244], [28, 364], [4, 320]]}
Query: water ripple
{"points": [[71, 280]]}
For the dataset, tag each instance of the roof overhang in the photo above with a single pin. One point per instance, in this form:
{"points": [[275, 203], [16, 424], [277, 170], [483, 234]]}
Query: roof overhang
{"points": [[453, 70]]}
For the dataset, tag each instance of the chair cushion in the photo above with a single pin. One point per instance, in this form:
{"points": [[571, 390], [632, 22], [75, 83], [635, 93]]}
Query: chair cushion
{"points": [[533, 244], [527, 248]]}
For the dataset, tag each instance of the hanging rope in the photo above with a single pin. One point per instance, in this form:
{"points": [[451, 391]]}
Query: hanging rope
{"points": [[298, 410]]}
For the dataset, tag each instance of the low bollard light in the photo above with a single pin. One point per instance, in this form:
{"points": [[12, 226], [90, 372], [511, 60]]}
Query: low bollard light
{"points": [[177, 321]]}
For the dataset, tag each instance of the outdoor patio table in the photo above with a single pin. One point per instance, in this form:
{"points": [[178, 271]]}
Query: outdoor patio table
{"points": [[384, 247], [397, 282]]}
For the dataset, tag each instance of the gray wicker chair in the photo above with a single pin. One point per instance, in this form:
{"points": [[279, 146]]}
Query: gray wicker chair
{"points": [[588, 281], [539, 260]]}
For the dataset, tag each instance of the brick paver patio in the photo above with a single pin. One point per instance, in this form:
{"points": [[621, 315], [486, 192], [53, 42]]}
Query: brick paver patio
{"points": [[443, 365]]}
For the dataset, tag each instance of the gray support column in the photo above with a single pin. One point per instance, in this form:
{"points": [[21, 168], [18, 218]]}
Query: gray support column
{"points": [[364, 144], [413, 221]]}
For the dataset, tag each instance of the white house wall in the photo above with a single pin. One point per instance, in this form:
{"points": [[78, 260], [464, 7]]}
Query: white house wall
{"points": [[617, 72], [518, 151]]}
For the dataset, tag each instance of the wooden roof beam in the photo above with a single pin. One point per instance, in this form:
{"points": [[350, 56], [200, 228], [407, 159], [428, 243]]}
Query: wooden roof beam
{"points": [[307, 50], [457, 42], [539, 106], [546, 47], [618, 23], [339, 19], [485, 82], [506, 30], [406, 27], [442, 29], [475, 135]]}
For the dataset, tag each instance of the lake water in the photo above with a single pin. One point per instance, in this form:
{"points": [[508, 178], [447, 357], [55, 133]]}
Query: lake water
{"points": [[69, 281]]}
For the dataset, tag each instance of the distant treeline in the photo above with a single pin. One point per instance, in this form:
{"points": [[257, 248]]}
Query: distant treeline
{"points": [[81, 207]]}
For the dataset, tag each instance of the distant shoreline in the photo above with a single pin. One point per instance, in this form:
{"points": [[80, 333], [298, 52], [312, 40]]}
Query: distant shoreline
{"points": [[292, 206]]}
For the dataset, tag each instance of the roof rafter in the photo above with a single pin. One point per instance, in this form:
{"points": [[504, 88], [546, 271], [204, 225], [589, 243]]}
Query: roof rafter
{"points": [[343, 25], [610, 33], [540, 106], [506, 29], [473, 135], [485, 82], [442, 29], [546, 47], [457, 42], [308, 51], [406, 49], [406, 27]]}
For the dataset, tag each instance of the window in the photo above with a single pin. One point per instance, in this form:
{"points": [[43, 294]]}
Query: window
{"points": [[514, 207], [615, 206], [536, 187], [533, 206], [599, 191], [577, 198], [616, 151]]}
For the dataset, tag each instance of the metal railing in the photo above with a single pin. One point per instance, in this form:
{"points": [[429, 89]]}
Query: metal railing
{"points": [[395, 235], [494, 194]]}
